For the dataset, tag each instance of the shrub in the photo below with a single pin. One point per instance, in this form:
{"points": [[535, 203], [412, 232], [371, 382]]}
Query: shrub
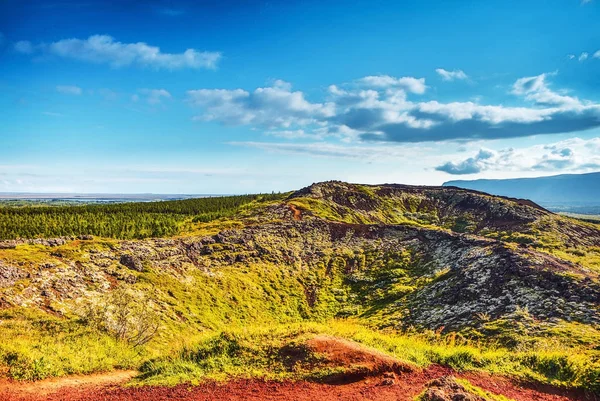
{"points": [[125, 315]]}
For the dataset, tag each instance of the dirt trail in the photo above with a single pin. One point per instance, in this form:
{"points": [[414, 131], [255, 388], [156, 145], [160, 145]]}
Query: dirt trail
{"points": [[404, 389], [405, 386], [370, 375], [77, 383]]}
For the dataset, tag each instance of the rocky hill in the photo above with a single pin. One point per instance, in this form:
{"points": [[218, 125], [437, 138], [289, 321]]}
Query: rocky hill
{"points": [[390, 256], [426, 256]]}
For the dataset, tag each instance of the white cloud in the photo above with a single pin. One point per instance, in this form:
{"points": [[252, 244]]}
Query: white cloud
{"points": [[294, 134], [451, 75], [24, 46], [535, 89], [471, 165], [69, 89], [104, 49], [583, 56], [384, 112], [325, 149], [153, 96], [573, 155], [414, 85], [272, 107]]}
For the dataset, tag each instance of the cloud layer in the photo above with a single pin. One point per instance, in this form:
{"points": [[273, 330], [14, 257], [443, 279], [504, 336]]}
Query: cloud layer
{"points": [[573, 154], [104, 49], [270, 107], [378, 108]]}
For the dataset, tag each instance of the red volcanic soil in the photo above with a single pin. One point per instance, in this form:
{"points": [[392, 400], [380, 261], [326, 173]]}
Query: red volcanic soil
{"points": [[297, 212], [405, 386], [372, 376]]}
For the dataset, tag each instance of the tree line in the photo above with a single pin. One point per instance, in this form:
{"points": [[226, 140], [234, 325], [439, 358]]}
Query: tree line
{"points": [[119, 220]]}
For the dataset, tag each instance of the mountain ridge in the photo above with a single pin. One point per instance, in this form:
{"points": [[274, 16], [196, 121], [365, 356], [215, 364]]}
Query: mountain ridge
{"points": [[565, 188]]}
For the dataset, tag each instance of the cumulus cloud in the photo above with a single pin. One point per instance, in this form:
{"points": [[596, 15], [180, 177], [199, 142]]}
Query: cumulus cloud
{"points": [[104, 49], [410, 84], [575, 155], [535, 89], [472, 165], [451, 75], [583, 56], [69, 89], [269, 107], [379, 108]]}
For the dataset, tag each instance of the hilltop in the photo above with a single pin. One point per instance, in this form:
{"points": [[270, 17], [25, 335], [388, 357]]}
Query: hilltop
{"points": [[427, 274]]}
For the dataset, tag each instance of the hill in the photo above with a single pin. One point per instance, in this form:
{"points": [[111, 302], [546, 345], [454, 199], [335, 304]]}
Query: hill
{"points": [[572, 192], [430, 275]]}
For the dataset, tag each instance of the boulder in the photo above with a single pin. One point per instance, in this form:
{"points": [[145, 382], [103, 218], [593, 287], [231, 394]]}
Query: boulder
{"points": [[131, 262]]}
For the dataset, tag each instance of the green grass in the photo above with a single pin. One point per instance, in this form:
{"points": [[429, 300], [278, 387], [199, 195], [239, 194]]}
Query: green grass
{"points": [[481, 392], [41, 346], [242, 319], [256, 352]]}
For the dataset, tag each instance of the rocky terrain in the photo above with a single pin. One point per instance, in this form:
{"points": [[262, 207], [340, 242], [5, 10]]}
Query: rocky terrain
{"points": [[412, 259], [451, 272]]}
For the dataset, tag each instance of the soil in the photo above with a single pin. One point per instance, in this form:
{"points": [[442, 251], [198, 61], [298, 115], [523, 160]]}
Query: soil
{"points": [[297, 212], [385, 387], [372, 375]]}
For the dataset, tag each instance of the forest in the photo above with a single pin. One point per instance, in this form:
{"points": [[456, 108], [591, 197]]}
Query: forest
{"points": [[120, 220]]}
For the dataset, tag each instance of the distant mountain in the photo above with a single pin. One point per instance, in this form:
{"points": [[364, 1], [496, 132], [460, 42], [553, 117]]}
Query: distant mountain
{"points": [[568, 190]]}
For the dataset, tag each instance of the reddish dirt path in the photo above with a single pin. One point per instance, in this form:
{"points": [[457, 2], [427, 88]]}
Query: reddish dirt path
{"points": [[405, 388], [297, 212], [45, 388]]}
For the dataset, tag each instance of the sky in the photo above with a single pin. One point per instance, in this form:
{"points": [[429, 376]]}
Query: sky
{"points": [[257, 96]]}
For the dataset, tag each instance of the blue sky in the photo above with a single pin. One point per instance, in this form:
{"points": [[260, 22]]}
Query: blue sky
{"points": [[237, 97]]}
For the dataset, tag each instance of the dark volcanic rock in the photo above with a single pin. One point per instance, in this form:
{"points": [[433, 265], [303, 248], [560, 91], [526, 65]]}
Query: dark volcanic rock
{"points": [[131, 262], [10, 275], [447, 389]]}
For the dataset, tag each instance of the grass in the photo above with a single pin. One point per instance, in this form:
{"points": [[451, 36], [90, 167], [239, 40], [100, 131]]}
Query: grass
{"points": [[41, 346], [481, 392], [244, 319], [44, 346], [236, 320], [256, 352]]}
